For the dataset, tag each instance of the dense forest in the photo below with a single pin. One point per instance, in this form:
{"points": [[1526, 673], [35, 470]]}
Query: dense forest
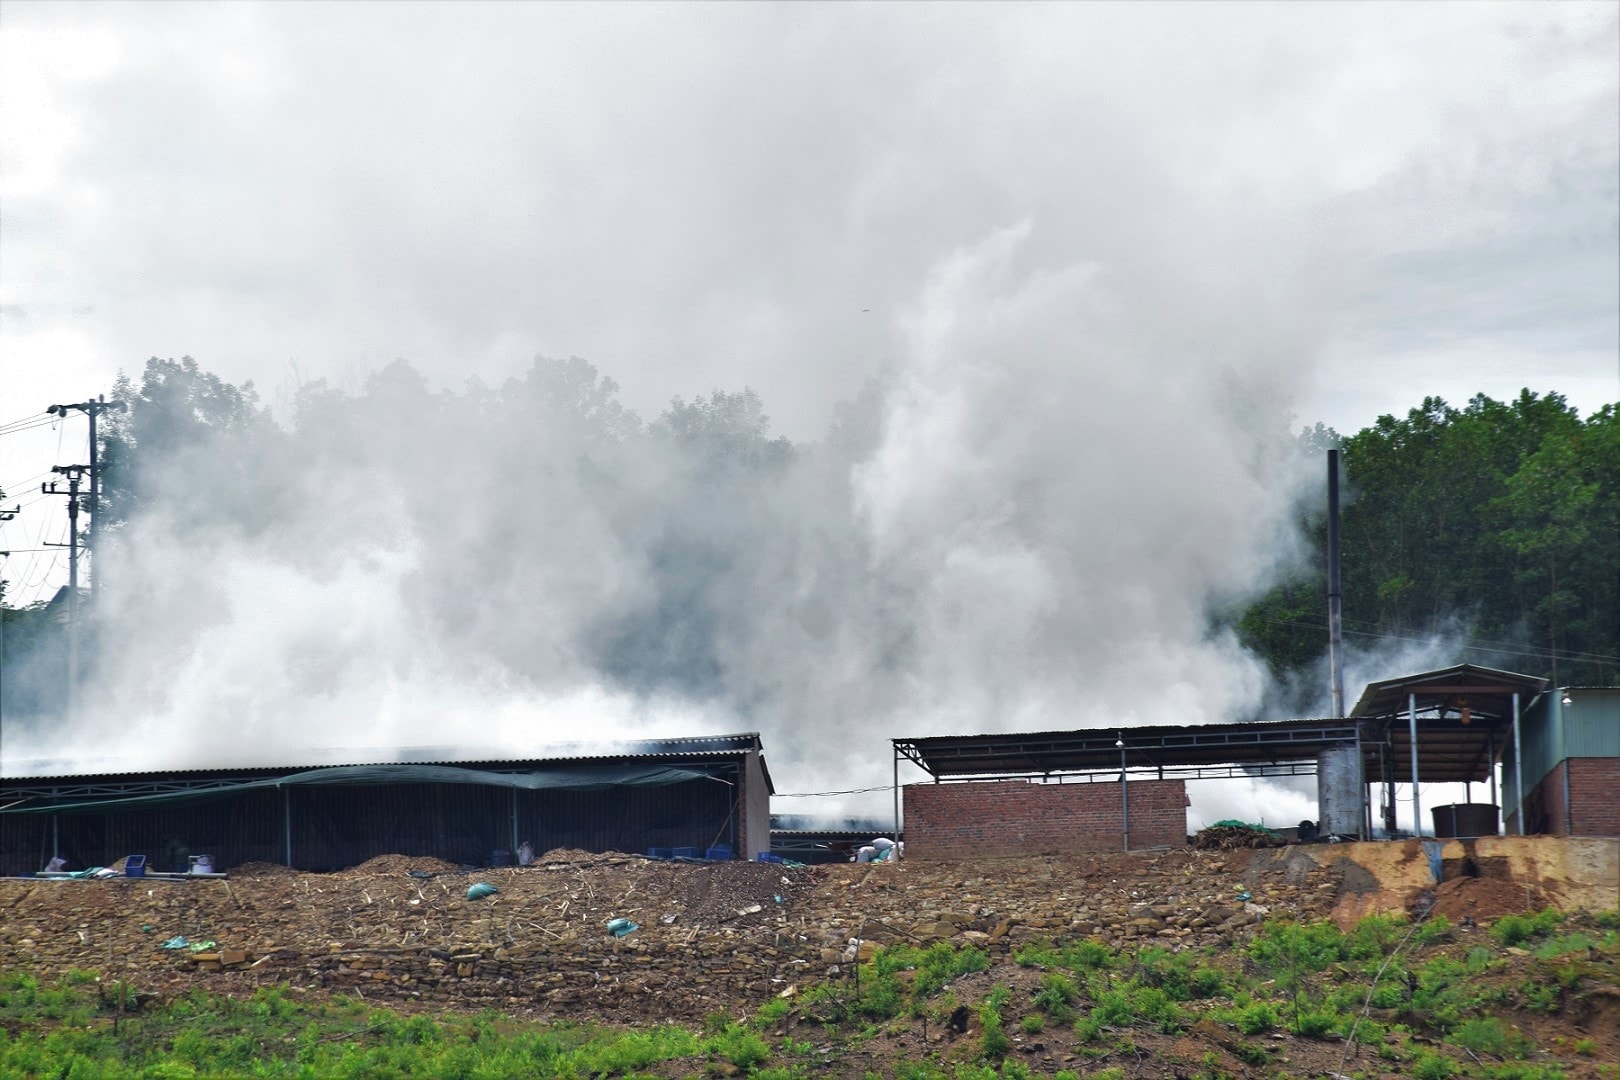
{"points": [[1495, 526]]}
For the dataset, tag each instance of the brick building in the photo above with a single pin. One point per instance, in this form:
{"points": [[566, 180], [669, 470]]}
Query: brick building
{"points": [[1571, 764], [1059, 792], [961, 820]]}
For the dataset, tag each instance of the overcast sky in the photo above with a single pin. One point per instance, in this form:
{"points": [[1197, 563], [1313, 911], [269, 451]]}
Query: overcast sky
{"points": [[1269, 214]]}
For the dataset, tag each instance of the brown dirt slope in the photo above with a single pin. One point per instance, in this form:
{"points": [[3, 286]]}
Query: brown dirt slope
{"points": [[722, 937]]}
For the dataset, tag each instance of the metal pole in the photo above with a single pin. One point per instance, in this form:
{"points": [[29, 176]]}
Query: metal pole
{"points": [[1124, 793], [1490, 753], [1335, 622], [1417, 800], [1361, 787], [73, 597], [286, 822], [95, 488], [896, 762], [1518, 768]]}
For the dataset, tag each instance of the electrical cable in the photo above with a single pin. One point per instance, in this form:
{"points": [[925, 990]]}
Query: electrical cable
{"points": [[30, 427], [820, 794], [1483, 645], [20, 419]]}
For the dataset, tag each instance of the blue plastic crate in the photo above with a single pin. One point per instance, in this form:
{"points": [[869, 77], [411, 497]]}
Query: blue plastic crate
{"points": [[767, 856], [719, 853], [135, 866], [659, 853], [685, 852]]}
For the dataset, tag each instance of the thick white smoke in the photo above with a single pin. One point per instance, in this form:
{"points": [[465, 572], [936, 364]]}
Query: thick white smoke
{"points": [[1068, 268], [1023, 525]]}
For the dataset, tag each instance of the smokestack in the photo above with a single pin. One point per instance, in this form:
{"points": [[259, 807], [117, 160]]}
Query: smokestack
{"points": [[1335, 630]]}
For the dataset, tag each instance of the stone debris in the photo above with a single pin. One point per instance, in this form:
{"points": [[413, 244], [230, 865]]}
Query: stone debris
{"points": [[717, 935]]}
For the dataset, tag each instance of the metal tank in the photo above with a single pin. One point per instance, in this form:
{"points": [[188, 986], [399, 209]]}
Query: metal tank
{"points": [[1338, 790]]}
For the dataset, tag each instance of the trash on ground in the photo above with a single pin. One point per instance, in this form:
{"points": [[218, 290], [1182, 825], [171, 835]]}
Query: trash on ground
{"points": [[621, 927], [881, 849], [481, 890]]}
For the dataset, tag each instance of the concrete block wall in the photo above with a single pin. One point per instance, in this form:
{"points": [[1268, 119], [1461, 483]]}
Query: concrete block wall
{"points": [[1594, 800], [1013, 817]]}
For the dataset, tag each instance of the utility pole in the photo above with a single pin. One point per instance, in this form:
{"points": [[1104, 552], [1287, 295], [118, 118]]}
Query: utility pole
{"points": [[74, 473], [1335, 610], [92, 409]]}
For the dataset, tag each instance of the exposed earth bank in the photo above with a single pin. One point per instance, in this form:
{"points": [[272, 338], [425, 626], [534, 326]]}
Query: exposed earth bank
{"points": [[726, 938]]}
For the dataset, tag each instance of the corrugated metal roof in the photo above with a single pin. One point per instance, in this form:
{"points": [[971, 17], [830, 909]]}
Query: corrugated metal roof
{"points": [[1487, 691], [550, 753]]}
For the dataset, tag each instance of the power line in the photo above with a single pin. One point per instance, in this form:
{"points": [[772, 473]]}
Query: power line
{"points": [[820, 794], [1485, 645], [29, 427], [20, 419]]}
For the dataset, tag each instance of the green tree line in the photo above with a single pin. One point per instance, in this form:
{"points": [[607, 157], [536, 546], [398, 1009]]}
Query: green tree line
{"points": [[1498, 522]]}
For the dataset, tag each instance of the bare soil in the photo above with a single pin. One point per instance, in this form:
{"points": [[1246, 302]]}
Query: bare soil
{"points": [[723, 939]]}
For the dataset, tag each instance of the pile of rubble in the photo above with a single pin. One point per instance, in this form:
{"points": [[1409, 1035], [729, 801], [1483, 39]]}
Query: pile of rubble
{"points": [[709, 936]]}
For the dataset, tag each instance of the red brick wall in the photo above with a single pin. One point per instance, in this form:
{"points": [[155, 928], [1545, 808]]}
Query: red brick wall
{"points": [[1594, 792], [1012, 817], [1594, 797]]}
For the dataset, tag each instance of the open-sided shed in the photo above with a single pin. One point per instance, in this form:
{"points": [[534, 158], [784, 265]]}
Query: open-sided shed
{"points": [[461, 805]]}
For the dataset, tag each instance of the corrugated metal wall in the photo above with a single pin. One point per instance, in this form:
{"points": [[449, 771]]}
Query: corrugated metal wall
{"points": [[1592, 724]]}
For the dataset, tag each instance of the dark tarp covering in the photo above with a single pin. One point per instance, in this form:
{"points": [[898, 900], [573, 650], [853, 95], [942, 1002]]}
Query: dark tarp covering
{"points": [[584, 778]]}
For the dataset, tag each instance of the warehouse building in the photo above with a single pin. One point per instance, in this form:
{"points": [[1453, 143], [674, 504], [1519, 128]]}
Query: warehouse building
{"points": [[1570, 764], [1115, 789], [697, 794]]}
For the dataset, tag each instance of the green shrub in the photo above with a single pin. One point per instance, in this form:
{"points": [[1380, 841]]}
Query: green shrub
{"points": [[741, 1047], [1288, 952], [1564, 944], [1488, 1035], [1257, 1018], [1427, 1065], [1515, 929], [995, 1043], [1315, 1023], [1374, 937], [1438, 928], [1057, 996], [1159, 1008], [1033, 1024], [772, 1011]]}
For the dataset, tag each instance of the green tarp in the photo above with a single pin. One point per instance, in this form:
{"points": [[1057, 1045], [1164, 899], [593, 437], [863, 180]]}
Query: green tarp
{"points": [[583, 778]]}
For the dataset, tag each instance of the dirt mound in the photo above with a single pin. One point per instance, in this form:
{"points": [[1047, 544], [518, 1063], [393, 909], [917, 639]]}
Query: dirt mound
{"points": [[262, 870], [577, 856], [399, 864], [1233, 837], [1484, 899]]}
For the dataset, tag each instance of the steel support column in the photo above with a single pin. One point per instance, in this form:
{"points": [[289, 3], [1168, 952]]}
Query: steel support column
{"points": [[1417, 800], [896, 764], [1124, 792], [1518, 768]]}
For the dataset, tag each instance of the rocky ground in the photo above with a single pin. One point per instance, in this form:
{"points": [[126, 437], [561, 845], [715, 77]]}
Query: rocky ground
{"points": [[711, 938]]}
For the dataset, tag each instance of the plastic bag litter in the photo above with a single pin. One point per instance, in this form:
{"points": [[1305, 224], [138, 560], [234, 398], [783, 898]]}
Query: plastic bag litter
{"points": [[481, 890], [621, 927]]}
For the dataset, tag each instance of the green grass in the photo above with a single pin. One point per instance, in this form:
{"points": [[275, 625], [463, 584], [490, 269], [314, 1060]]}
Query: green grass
{"points": [[67, 1030], [1517, 929], [1436, 1016]]}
